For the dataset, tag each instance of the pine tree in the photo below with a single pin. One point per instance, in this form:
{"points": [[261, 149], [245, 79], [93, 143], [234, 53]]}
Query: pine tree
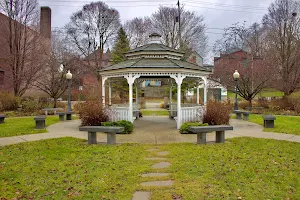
{"points": [[121, 47]]}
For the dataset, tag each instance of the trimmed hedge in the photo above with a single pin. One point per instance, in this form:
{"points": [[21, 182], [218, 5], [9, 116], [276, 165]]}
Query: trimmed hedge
{"points": [[128, 126], [184, 129]]}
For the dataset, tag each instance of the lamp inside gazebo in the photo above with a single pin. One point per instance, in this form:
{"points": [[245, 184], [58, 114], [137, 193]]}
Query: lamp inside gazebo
{"points": [[156, 61]]}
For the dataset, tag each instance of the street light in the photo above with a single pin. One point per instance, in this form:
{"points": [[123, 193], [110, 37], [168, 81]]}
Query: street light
{"points": [[236, 77], [80, 91], [69, 77]]}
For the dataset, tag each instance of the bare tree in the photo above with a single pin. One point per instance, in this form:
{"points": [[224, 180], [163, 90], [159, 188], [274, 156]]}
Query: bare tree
{"points": [[90, 29], [242, 49], [192, 29], [22, 45], [283, 50], [138, 31], [53, 82]]}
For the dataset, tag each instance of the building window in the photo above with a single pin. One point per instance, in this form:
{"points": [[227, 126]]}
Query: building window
{"points": [[1, 77]]}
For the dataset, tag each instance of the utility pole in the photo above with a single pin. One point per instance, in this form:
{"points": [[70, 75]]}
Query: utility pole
{"points": [[179, 26]]}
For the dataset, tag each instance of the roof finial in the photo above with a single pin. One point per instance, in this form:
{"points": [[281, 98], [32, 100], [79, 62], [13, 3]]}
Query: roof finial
{"points": [[154, 38]]}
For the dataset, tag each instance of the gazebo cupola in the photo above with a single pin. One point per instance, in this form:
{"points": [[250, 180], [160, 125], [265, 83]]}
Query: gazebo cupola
{"points": [[156, 61], [155, 38]]}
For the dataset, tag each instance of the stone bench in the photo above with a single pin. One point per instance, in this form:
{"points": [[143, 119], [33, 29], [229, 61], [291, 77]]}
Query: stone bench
{"points": [[69, 115], [61, 116], [240, 114], [202, 130], [269, 121], [2, 117], [40, 122], [51, 109], [109, 130]]}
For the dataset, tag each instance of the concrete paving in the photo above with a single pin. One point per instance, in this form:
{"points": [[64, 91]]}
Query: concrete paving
{"points": [[152, 130], [161, 165], [141, 195], [155, 174], [158, 183]]}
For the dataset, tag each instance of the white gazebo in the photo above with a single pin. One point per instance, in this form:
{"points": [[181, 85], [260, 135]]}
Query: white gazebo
{"points": [[156, 61]]}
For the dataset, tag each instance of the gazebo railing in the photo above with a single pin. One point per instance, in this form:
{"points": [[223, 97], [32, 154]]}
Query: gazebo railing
{"points": [[120, 113], [191, 114]]}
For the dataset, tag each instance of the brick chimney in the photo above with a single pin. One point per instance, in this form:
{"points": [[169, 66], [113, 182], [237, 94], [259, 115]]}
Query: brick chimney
{"points": [[45, 22]]}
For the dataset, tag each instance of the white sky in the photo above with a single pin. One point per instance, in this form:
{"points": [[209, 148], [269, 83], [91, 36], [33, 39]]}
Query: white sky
{"points": [[217, 13]]}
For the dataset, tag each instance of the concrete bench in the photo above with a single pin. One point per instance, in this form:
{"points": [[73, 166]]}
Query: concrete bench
{"points": [[51, 109], [202, 130], [61, 116], [69, 115], [269, 121], [40, 122], [109, 130], [240, 114], [2, 117]]}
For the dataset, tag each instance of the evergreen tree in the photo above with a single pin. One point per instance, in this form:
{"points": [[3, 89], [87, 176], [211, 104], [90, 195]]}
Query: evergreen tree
{"points": [[121, 47]]}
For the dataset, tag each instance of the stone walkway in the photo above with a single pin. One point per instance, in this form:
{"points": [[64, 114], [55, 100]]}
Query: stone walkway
{"points": [[145, 195], [152, 130]]}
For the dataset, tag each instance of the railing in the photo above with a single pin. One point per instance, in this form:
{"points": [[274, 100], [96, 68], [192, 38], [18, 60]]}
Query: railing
{"points": [[191, 114], [120, 113]]}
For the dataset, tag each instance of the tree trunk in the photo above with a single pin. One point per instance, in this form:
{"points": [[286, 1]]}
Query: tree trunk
{"points": [[54, 102]]}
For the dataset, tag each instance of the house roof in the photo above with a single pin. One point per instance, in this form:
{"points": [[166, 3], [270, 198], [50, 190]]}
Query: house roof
{"points": [[105, 56]]}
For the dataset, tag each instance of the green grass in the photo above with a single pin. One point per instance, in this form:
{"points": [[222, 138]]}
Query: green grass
{"points": [[243, 168], [283, 124], [68, 168], [155, 112], [23, 126]]}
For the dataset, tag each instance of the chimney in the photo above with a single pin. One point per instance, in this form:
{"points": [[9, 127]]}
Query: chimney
{"points": [[45, 22]]}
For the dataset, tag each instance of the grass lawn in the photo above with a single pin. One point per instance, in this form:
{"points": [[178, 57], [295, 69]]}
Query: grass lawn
{"points": [[68, 168], [242, 168], [283, 124], [23, 126], [155, 112]]}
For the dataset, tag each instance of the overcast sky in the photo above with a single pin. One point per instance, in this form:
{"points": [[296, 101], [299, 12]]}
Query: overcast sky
{"points": [[218, 14]]}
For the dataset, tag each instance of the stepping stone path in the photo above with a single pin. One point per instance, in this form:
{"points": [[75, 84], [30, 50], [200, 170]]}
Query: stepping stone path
{"points": [[145, 195]]}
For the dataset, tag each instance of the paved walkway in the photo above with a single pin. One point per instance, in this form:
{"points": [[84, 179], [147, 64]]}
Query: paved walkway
{"points": [[154, 130]]}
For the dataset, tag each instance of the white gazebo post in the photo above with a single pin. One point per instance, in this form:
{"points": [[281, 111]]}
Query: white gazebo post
{"points": [[198, 99], [204, 90], [109, 93], [171, 86], [103, 89], [179, 78], [130, 79]]}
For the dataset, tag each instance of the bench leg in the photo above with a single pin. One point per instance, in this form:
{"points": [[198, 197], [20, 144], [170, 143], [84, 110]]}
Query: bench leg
{"points": [[201, 138], [61, 117], [238, 115], [111, 138], [69, 116], [40, 124], [269, 123], [220, 136], [92, 138], [245, 117]]}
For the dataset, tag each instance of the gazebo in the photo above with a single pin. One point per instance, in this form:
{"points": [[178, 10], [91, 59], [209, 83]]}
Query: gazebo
{"points": [[156, 61]]}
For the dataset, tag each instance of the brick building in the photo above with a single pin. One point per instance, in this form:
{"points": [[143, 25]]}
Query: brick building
{"points": [[37, 47]]}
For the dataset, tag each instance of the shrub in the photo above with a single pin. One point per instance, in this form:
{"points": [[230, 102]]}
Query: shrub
{"points": [[8, 101], [184, 129], [128, 126], [217, 113], [92, 114], [30, 106], [162, 105]]}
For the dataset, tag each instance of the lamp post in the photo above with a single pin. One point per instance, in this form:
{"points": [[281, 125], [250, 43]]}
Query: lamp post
{"points": [[69, 77], [236, 77], [80, 91]]}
